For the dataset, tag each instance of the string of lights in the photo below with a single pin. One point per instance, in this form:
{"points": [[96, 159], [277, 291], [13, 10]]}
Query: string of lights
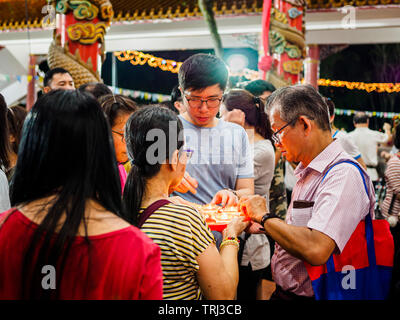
{"points": [[369, 87], [140, 58]]}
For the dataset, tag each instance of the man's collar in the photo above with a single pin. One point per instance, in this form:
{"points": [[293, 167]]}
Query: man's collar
{"points": [[323, 159]]}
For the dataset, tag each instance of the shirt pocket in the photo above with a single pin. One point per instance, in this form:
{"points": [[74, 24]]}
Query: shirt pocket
{"points": [[301, 216]]}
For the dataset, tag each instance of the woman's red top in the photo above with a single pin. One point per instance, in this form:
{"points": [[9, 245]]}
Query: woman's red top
{"points": [[125, 264]]}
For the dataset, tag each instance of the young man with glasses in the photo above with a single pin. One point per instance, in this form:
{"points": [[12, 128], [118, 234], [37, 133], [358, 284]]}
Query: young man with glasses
{"points": [[222, 162]]}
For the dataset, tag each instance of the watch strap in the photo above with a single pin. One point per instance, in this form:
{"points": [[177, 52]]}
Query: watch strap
{"points": [[266, 217]]}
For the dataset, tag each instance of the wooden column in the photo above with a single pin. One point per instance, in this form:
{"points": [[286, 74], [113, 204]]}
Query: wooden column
{"points": [[311, 65], [31, 92]]}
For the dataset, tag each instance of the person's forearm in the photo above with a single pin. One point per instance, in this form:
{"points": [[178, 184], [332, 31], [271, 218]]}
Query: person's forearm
{"points": [[298, 241], [229, 257], [245, 192]]}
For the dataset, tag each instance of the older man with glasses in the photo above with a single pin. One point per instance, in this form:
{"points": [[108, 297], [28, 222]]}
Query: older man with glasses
{"points": [[323, 214]]}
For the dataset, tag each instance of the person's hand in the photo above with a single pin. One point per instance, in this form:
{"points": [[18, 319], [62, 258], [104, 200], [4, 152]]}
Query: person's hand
{"points": [[179, 200], [187, 184], [255, 207], [225, 198], [385, 155], [387, 127], [236, 116], [254, 228], [235, 227]]}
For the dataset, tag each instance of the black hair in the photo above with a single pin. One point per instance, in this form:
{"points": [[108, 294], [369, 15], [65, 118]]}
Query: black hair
{"points": [[66, 151], [258, 87], [117, 105], [4, 136], [98, 89], [297, 100], [15, 117], [331, 106], [138, 145], [176, 94], [169, 105], [396, 139], [253, 108], [49, 75], [360, 117], [202, 70]]}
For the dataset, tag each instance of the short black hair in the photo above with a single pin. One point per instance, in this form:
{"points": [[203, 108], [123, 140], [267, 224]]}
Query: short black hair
{"points": [[176, 94], [331, 106], [49, 75], [98, 89], [258, 87], [202, 70], [169, 105], [360, 117]]}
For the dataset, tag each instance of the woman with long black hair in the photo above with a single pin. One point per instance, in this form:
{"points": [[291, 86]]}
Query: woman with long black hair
{"points": [[256, 251], [66, 236], [4, 156], [192, 266]]}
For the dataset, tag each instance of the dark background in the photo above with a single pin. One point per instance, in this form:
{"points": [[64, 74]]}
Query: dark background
{"points": [[154, 80], [361, 63]]}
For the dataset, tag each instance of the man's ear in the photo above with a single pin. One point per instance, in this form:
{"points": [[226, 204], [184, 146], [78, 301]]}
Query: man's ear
{"points": [[177, 105], [306, 123], [46, 89]]}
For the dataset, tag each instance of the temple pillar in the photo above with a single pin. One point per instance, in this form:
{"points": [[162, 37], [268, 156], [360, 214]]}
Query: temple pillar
{"points": [[311, 65], [31, 92], [284, 44], [79, 38]]}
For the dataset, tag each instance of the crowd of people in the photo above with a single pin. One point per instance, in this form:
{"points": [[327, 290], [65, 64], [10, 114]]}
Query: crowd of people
{"points": [[101, 191]]}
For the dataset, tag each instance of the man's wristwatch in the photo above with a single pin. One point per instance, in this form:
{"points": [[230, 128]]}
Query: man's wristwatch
{"points": [[266, 217]]}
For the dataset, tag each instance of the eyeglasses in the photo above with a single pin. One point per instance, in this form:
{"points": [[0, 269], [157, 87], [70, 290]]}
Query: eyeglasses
{"points": [[275, 136], [185, 151], [197, 102], [120, 134]]}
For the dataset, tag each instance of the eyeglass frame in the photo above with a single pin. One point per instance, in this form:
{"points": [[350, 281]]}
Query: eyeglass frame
{"points": [[188, 151], [120, 134], [204, 100], [275, 138]]}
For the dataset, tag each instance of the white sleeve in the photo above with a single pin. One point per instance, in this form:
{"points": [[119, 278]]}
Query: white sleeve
{"points": [[349, 146], [381, 137]]}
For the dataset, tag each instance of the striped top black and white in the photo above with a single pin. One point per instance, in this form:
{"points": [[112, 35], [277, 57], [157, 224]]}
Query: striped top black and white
{"points": [[182, 234], [392, 177]]}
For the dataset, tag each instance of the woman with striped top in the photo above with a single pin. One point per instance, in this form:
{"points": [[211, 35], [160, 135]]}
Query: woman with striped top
{"points": [[391, 204], [192, 266], [391, 210]]}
